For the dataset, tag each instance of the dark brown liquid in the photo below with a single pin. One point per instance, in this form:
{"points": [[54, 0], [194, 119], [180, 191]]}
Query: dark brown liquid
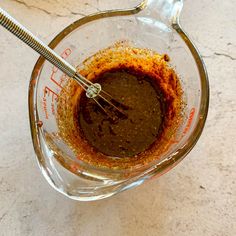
{"points": [[128, 135], [144, 82]]}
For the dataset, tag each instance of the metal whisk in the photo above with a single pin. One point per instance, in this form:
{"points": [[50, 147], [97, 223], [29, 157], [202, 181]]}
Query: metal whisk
{"points": [[93, 90]]}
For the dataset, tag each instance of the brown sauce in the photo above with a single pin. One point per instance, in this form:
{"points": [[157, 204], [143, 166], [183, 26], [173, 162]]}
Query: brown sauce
{"points": [[128, 135], [149, 88]]}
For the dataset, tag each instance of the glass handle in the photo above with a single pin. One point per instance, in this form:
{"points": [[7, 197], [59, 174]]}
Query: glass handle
{"points": [[167, 11]]}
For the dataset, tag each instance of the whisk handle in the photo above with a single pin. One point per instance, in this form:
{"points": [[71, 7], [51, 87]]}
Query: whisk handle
{"points": [[31, 40]]}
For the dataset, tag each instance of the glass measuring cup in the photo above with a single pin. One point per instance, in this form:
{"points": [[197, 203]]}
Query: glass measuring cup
{"points": [[153, 24]]}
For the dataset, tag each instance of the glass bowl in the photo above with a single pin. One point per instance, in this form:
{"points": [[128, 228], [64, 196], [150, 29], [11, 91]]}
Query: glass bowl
{"points": [[153, 25]]}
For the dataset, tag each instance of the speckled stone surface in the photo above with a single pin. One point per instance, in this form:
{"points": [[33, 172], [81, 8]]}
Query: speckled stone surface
{"points": [[196, 198]]}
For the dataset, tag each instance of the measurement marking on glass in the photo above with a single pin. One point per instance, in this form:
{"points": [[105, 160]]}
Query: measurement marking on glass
{"points": [[48, 91]]}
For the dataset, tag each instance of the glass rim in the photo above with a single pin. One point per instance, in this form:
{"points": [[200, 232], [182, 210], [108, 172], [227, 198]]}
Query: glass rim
{"points": [[163, 165]]}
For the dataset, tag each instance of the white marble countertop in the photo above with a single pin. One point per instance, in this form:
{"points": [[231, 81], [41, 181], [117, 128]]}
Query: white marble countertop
{"points": [[196, 198]]}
